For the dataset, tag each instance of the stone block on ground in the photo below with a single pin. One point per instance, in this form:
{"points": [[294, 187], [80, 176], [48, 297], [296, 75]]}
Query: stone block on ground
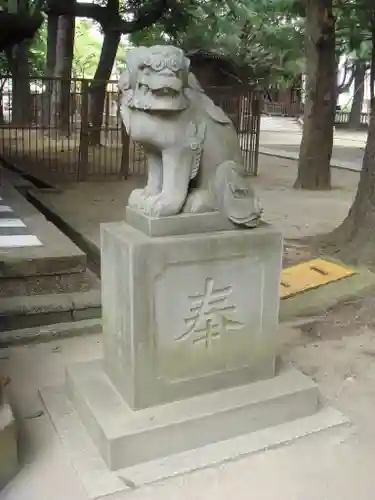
{"points": [[9, 464]]}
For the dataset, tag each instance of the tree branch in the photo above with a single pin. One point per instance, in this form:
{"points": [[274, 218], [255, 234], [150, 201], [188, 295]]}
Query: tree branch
{"points": [[146, 17], [36, 6], [108, 16], [76, 9]]}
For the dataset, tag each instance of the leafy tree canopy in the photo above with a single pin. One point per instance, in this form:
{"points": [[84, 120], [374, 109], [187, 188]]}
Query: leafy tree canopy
{"points": [[264, 35]]}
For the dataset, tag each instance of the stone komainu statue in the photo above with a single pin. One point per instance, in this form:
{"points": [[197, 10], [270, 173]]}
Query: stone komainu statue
{"points": [[194, 157]]}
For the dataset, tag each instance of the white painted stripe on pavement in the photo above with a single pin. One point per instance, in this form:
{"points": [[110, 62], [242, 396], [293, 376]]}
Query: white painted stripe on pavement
{"points": [[19, 240], [12, 223], [5, 208]]}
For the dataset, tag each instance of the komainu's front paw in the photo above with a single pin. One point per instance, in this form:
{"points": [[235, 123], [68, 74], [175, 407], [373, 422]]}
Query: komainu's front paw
{"points": [[163, 205], [137, 200]]}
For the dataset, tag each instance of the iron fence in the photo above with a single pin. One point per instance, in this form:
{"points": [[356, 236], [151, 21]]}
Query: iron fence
{"points": [[282, 109], [275, 108], [51, 129], [342, 117]]}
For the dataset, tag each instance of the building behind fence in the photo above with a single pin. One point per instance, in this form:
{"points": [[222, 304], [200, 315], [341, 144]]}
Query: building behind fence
{"points": [[56, 144]]}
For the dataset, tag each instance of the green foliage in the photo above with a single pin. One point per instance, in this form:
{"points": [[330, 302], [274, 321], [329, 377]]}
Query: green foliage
{"points": [[86, 50], [4, 67], [353, 37], [353, 27], [38, 50], [21, 21]]}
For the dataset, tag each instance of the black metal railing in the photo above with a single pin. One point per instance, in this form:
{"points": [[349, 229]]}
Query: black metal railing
{"points": [[68, 130]]}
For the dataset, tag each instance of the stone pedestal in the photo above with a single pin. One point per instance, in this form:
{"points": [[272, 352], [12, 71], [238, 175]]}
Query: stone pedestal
{"points": [[186, 315], [189, 324]]}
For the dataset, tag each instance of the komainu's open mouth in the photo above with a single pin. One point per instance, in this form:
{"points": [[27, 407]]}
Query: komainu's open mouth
{"points": [[165, 92], [159, 92]]}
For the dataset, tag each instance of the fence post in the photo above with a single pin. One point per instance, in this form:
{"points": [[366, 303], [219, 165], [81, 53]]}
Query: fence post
{"points": [[257, 113], [125, 153], [84, 134]]}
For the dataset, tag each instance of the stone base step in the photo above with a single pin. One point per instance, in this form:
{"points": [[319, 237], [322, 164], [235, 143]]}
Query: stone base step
{"points": [[116, 449], [125, 437]]}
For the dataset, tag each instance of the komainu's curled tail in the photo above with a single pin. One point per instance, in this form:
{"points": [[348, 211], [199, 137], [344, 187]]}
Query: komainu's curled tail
{"points": [[233, 197]]}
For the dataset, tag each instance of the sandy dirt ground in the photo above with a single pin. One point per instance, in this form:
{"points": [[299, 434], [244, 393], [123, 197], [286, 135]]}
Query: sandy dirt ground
{"points": [[296, 213]]}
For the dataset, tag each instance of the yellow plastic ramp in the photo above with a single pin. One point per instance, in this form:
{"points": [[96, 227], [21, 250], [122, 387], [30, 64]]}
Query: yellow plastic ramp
{"points": [[311, 274]]}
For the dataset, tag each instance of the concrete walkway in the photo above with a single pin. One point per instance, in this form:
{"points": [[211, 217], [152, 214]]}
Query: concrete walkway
{"points": [[281, 137]]}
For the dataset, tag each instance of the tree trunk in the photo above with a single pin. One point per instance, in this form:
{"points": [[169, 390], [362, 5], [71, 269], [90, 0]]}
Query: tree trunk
{"points": [[63, 71], [372, 72], [2, 120], [359, 92], [21, 97], [98, 86], [354, 239], [52, 28], [317, 139]]}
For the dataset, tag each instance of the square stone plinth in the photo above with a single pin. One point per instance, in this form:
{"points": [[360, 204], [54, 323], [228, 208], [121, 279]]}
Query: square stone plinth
{"points": [[178, 224], [187, 315]]}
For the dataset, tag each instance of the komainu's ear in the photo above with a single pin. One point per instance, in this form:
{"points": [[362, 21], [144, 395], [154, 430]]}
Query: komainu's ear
{"points": [[125, 114], [133, 60], [126, 94], [216, 113], [193, 83], [186, 64]]}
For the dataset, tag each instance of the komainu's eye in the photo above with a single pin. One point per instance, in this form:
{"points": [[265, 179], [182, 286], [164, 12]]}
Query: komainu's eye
{"points": [[158, 64], [173, 65]]}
